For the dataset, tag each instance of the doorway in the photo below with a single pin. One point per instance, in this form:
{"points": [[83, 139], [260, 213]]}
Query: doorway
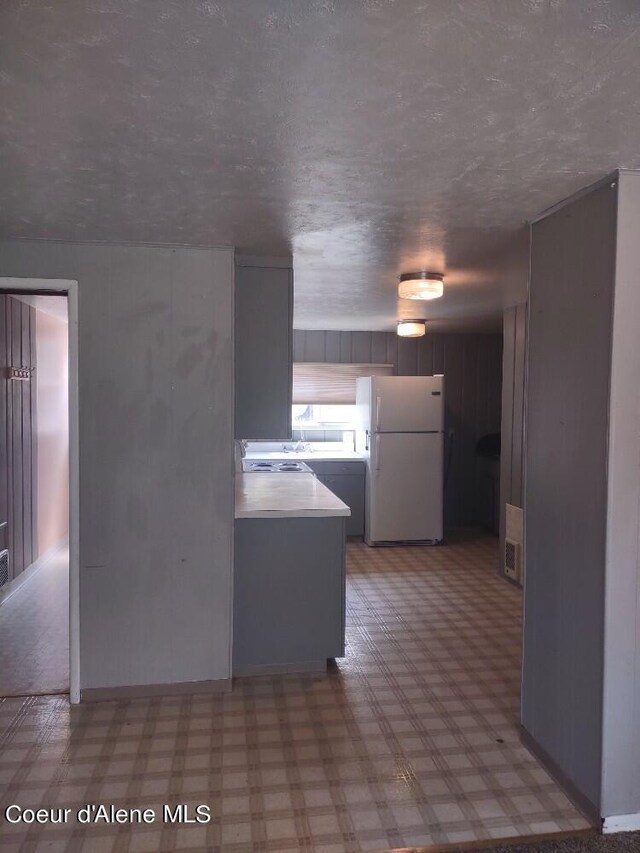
{"points": [[38, 488]]}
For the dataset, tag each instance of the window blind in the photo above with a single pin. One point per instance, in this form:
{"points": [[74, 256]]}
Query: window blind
{"points": [[331, 384]]}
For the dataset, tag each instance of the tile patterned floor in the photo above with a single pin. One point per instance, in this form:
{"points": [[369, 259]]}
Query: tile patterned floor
{"points": [[34, 632], [411, 740]]}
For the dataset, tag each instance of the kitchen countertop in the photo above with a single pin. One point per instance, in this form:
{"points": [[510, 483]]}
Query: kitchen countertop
{"points": [[308, 455], [285, 496]]}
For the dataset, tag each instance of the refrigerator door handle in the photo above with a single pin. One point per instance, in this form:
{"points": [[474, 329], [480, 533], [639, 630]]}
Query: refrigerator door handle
{"points": [[377, 414], [378, 455], [366, 439]]}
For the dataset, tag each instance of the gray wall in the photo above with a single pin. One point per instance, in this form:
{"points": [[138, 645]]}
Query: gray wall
{"points": [[514, 337], [52, 406], [156, 483], [471, 364], [570, 309], [621, 737]]}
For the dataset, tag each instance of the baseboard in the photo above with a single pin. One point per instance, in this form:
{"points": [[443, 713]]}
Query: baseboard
{"points": [[588, 809], [302, 667], [137, 691], [621, 823], [404, 543], [11, 588]]}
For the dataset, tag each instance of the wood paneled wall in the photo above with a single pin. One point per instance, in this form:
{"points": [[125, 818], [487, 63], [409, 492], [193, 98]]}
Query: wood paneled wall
{"points": [[513, 381], [568, 382], [4, 509], [472, 366], [18, 467], [621, 709]]}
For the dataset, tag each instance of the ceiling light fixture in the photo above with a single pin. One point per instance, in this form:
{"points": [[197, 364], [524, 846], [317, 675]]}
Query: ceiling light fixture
{"points": [[421, 285], [411, 328]]}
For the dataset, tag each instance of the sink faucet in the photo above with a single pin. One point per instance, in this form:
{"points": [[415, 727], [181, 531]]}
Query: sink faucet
{"points": [[299, 447]]}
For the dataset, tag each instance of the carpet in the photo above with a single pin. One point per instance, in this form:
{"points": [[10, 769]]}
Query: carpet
{"points": [[625, 842]]}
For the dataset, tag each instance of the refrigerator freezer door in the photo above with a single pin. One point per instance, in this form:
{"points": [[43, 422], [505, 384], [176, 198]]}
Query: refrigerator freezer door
{"points": [[407, 404], [404, 488]]}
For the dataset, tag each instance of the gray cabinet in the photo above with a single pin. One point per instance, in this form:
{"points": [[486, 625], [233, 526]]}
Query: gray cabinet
{"points": [[288, 594], [346, 481], [263, 348]]}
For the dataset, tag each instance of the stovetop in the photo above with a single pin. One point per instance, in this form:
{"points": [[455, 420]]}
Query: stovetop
{"points": [[256, 466]]}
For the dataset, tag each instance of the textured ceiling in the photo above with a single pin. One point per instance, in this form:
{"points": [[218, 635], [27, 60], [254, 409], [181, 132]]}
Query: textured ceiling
{"points": [[368, 138]]}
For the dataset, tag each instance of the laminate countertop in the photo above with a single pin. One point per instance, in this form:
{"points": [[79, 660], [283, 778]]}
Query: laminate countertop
{"points": [[285, 496]]}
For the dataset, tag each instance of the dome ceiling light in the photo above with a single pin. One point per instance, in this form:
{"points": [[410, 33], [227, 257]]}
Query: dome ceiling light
{"points": [[411, 328], [421, 285]]}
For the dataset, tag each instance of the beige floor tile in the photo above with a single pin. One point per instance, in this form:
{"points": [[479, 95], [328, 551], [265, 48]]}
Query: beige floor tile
{"points": [[236, 833], [411, 739]]}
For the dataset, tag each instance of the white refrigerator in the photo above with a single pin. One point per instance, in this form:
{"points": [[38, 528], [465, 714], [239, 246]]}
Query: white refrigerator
{"points": [[400, 433]]}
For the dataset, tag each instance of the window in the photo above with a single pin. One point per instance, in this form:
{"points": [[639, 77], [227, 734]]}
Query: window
{"points": [[331, 384], [326, 417], [324, 394]]}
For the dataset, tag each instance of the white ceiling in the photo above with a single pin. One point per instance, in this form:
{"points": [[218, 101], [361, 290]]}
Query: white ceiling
{"points": [[368, 138]]}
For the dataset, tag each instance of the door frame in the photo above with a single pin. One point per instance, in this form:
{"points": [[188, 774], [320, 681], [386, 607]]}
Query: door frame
{"points": [[69, 288]]}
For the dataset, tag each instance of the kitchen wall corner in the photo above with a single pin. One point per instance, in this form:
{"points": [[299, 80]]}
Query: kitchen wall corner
{"points": [[514, 338]]}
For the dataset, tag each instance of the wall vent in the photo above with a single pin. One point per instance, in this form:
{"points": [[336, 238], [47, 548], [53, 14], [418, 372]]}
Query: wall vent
{"points": [[4, 567], [513, 542]]}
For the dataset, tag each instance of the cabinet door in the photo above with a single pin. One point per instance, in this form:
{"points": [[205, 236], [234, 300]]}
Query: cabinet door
{"points": [[354, 468], [349, 489], [263, 352], [288, 593]]}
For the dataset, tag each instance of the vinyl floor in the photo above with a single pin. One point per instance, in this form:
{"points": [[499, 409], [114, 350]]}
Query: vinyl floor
{"points": [[34, 633], [410, 740]]}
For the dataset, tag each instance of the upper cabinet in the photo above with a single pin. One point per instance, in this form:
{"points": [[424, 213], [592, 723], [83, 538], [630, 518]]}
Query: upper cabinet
{"points": [[263, 348]]}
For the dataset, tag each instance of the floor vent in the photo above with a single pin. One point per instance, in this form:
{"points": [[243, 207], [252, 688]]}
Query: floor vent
{"points": [[4, 567], [512, 557]]}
